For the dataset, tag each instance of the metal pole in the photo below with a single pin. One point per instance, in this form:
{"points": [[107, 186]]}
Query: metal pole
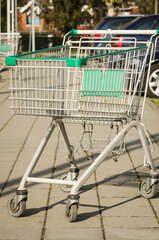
{"points": [[33, 27], [8, 18], [15, 12], [12, 12], [156, 7], [0, 16], [39, 20]]}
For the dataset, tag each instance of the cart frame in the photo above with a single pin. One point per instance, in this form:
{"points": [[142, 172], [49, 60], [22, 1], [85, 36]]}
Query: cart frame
{"points": [[79, 66]]}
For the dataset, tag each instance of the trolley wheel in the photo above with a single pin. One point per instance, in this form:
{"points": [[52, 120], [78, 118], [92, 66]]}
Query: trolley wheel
{"points": [[72, 213], [18, 210], [65, 188], [150, 193]]}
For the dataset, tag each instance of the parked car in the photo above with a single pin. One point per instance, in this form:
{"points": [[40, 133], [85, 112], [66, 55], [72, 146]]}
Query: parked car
{"points": [[115, 22], [150, 22]]}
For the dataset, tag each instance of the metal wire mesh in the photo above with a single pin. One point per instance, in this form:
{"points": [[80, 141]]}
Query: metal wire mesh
{"points": [[108, 87]]}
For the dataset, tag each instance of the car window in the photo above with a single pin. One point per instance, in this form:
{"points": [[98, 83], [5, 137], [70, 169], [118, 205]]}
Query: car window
{"points": [[107, 24], [156, 26], [113, 23], [151, 24], [118, 24]]}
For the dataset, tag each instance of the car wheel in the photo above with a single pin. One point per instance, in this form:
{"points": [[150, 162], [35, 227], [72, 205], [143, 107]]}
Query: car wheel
{"points": [[153, 82]]}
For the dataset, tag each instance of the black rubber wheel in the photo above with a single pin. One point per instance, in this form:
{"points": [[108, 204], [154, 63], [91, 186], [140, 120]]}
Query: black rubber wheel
{"points": [[148, 193], [72, 213], [18, 210], [153, 82]]}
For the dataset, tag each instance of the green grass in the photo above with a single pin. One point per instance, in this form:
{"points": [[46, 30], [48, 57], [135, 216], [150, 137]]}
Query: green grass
{"points": [[155, 101]]}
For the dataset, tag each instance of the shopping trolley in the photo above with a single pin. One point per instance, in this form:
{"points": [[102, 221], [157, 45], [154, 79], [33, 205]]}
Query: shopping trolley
{"points": [[71, 84], [8, 46]]}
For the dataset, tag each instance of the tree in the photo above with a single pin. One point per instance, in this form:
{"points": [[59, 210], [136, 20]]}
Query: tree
{"points": [[21, 3], [3, 16], [4, 13], [146, 6], [99, 9], [110, 7], [66, 14], [111, 4]]}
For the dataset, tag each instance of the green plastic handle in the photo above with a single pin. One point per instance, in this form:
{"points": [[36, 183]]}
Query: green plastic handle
{"points": [[73, 32]]}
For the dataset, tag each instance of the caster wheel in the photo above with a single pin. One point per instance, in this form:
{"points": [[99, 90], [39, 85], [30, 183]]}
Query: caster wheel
{"points": [[65, 188], [18, 210], [72, 213], [150, 193]]}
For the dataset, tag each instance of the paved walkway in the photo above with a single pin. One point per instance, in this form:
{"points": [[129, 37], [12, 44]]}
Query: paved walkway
{"points": [[111, 206]]}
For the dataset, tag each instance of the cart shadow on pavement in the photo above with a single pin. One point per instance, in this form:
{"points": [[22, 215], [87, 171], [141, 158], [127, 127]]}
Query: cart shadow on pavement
{"points": [[130, 178], [125, 179], [83, 163], [6, 188], [6, 92], [34, 211], [85, 216], [81, 216]]}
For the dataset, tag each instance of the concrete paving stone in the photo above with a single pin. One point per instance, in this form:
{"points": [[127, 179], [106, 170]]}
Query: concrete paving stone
{"points": [[45, 161], [23, 233], [88, 210], [4, 95], [4, 90], [132, 234], [73, 233], [137, 147], [56, 216], [117, 176], [17, 223], [6, 114], [114, 187], [24, 160], [7, 147], [126, 207], [112, 167], [35, 204], [30, 225], [130, 222], [4, 80], [127, 200], [16, 135], [61, 165], [154, 201], [43, 167], [151, 120]]}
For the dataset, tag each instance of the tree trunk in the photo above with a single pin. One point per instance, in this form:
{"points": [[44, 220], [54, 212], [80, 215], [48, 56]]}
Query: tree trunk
{"points": [[110, 8]]}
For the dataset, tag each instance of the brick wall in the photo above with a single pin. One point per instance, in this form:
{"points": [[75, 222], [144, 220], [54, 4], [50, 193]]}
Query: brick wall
{"points": [[24, 27]]}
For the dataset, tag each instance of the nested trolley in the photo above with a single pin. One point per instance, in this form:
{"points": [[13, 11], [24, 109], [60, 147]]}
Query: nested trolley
{"points": [[8, 46], [81, 83]]}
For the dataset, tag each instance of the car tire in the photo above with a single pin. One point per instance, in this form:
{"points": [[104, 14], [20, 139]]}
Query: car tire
{"points": [[153, 82]]}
